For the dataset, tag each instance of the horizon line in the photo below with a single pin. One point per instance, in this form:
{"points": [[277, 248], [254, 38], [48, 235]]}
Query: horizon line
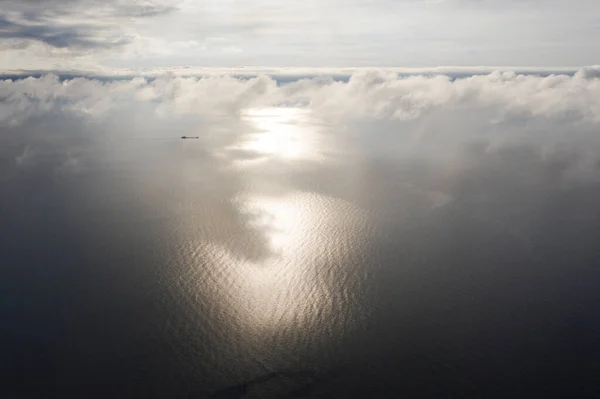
{"points": [[187, 70]]}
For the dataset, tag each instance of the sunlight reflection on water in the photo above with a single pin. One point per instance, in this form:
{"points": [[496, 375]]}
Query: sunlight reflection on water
{"points": [[304, 290], [280, 133], [306, 282]]}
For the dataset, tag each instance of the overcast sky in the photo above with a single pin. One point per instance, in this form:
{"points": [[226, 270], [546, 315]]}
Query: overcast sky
{"points": [[86, 34]]}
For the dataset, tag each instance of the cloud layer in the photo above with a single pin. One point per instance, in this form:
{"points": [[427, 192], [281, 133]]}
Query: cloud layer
{"points": [[161, 33], [366, 94], [450, 123]]}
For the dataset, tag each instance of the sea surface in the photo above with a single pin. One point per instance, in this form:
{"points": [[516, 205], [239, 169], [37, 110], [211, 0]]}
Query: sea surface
{"points": [[283, 257]]}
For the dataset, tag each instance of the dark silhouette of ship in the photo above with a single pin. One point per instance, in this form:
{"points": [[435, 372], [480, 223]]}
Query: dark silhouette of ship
{"points": [[189, 137]]}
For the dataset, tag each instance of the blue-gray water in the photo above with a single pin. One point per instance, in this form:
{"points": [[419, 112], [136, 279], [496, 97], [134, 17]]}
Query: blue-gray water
{"points": [[290, 260]]}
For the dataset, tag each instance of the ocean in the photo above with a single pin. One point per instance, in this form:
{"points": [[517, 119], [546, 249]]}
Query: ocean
{"points": [[282, 256]]}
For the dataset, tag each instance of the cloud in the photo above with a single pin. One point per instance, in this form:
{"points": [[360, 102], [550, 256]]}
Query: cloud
{"points": [[308, 33], [26, 157], [135, 8], [71, 28], [74, 36], [70, 166], [380, 95], [535, 127], [435, 163]]}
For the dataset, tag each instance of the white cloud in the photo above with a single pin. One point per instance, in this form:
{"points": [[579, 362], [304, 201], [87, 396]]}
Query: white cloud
{"points": [[433, 116], [367, 94]]}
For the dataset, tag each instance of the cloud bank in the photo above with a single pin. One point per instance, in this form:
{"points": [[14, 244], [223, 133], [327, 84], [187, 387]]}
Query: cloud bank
{"points": [[450, 123], [366, 94]]}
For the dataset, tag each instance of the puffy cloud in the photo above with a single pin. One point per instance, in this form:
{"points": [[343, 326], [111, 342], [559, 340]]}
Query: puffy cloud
{"points": [[502, 96], [552, 119], [506, 121]]}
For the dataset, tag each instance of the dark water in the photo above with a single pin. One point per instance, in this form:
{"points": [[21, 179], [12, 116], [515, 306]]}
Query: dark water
{"points": [[291, 262]]}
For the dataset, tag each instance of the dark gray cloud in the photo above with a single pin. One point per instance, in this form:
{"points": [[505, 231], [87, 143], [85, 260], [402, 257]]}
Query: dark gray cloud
{"points": [[59, 36], [97, 25], [120, 7]]}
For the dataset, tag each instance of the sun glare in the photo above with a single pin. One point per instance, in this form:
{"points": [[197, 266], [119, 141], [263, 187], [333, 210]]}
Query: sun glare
{"points": [[279, 133]]}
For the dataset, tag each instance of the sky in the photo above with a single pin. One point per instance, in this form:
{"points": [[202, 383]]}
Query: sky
{"points": [[146, 34]]}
